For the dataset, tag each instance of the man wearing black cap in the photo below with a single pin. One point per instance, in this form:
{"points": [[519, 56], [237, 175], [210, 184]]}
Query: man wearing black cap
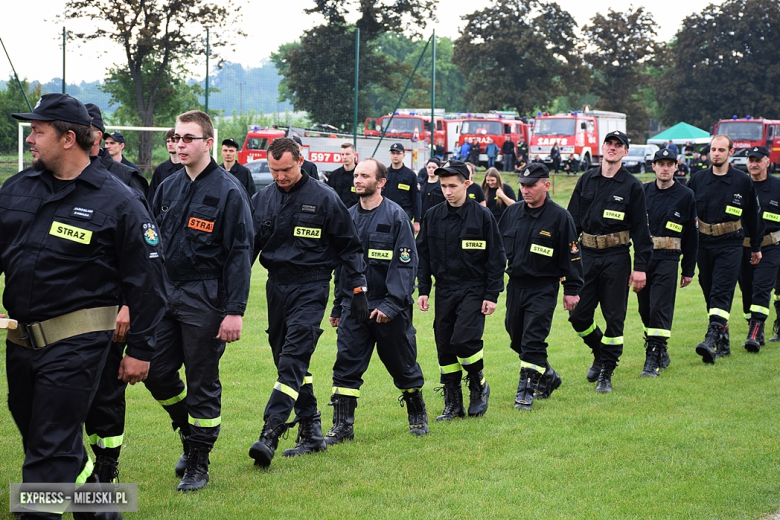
{"points": [[541, 249], [115, 144], [671, 212], [401, 185], [459, 244], [167, 168], [74, 243], [609, 211], [308, 167], [242, 173], [757, 281], [341, 179], [728, 212], [390, 256]]}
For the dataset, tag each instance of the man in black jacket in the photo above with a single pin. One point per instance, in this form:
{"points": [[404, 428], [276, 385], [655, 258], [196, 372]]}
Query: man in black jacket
{"points": [[401, 186], [341, 179], [230, 164], [166, 168], [508, 153]]}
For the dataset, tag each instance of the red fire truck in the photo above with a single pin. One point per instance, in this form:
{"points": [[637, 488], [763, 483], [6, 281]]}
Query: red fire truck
{"points": [[494, 126], [409, 123], [747, 133], [256, 143], [578, 133]]}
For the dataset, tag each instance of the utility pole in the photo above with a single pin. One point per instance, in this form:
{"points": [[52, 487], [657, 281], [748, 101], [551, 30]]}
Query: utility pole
{"points": [[208, 50], [241, 98], [64, 38]]}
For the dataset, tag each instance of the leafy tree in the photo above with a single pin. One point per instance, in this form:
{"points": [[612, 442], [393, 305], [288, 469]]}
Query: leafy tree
{"points": [[154, 31], [519, 54], [378, 16], [725, 60], [12, 101], [620, 47]]}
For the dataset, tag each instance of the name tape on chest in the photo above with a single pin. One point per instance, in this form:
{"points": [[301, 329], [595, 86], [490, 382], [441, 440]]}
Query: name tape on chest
{"points": [[72, 233], [201, 225], [731, 210], [541, 250], [380, 254], [404, 187], [674, 226], [305, 232], [473, 244], [773, 217], [614, 215]]}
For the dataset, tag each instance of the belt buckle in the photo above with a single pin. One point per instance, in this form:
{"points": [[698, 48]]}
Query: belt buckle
{"points": [[601, 241], [29, 335]]}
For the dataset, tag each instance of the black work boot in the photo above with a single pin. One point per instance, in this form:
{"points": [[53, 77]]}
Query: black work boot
{"points": [[415, 409], [479, 392], [593, 340], [525, 392], [776, 326], [708, 349], [182, 462], [755, 331], [761, 338], [263, 449], [343, 419], [664, 361], [652, 360], [107, 469], [453, 401], [604, 384], [549, 382], [724, 345], [310, 439], [196, 474]]}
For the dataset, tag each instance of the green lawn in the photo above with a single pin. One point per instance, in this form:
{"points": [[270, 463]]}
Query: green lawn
{"points": [[700, 442]]}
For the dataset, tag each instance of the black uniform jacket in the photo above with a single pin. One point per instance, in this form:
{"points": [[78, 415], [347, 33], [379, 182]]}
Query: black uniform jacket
{"points": [[727, 198], [132, 165], [343, 182], [602, 205], [390, 255], [162, 172], [401, 188], [461, 247], [310, 169], [303, 234], [206, 227], [541, 246], [90, 244], [129, 176], [430, 195], [768, 193], [244, 176], [672, 213]]}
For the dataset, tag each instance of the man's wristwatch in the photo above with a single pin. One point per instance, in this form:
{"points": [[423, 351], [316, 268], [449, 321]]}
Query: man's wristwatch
{"points": [[363, 289]]}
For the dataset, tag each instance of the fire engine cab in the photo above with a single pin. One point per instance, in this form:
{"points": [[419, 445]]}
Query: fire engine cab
{"points": [[256, 143], [494, 126], [578, 133], [747, 133]]}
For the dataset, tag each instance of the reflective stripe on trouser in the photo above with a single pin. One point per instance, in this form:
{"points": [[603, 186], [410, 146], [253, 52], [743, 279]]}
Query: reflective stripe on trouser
{"points": [[105, 422], [758, 281], [656, 300], [458, 327], [606, 286], [532, 366], [294, 315], [396, 346], [528, 319], [108, 442], [187, 335], [718, 273]]}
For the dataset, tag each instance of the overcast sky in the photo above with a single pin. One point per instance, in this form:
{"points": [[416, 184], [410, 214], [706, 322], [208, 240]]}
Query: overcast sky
{"points": [[34, 40]]}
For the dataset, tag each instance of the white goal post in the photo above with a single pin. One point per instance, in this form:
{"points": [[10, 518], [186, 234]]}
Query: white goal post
{"points": [[108, 128]]}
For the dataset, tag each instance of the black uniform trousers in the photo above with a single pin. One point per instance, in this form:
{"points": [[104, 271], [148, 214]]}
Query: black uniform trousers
{"points": [[105, 424], [396, 346], [529, 314], [718, 273], [757, 281], [188, 335], [606, 284], [458, 326], [49, 394], [509, 162], [295, 312], [656, 300]]}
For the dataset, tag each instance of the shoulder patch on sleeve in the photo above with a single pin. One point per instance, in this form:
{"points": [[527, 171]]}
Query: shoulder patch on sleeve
{"points": [[405, 255], [150, 234]]}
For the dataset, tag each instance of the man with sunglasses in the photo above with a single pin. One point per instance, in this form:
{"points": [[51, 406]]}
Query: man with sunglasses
{"points": [[206, 226], [167, 168]]}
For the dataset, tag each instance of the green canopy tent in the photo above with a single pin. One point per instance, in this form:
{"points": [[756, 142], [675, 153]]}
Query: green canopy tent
{"points": [[681, 133]]}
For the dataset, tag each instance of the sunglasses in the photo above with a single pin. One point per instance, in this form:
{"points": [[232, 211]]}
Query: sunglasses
{"points": [[186, 138]]}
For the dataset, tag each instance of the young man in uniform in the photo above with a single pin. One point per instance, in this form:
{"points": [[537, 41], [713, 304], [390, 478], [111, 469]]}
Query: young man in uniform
{"points": [[671, 212], [229, 163], [166, 168], [757, 281], [401, 186], [541, 249], [303, 232], [74, 244], [609, 210], [728, 212], [390, 256], [341, 179], [115, 144], [459, 244], [206, 227], [522, 152], [508, 155]]}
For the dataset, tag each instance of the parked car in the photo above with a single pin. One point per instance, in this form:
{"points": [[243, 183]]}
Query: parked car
{"points": [[640, 158], [261, 173]]}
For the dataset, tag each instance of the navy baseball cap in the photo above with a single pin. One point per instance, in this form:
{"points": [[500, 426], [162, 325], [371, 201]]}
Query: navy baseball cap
{"points": [[116, 136], [453, 168], [397, 147], [620, 136], [532, 173], [665, 154], [231, 142], [58, 107], [759, 152], [97, 116]]}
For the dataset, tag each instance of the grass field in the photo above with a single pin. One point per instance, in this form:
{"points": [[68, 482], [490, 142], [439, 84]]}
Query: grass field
{"points": [[699, 442]]}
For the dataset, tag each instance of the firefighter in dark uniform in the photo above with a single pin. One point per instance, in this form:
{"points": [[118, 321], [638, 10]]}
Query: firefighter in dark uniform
{"points": [[303, 232], [541, 249], [341, 180], [115, 144], [757, 281], [459, 244], [105, 423], [166, 168], [74, 244], [230, 164], [390, 256], [728, 212], [308, 167], [401, 186], [522, 152], [508, 153], [206, 227], [671, 212], [609, 210]]}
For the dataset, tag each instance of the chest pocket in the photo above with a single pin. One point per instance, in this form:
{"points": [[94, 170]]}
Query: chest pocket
{"points": [[673, 223], [201, 224], [734, 206], [308, 231], [614, 210], [75, 237], [380, 248], [473, 245]]}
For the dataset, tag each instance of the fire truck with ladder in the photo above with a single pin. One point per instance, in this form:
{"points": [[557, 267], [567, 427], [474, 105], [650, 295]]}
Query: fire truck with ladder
{"points": [[746, 133]]}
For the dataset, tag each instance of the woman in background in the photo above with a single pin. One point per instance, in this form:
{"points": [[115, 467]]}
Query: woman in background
{"points": [[499, 195]]}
